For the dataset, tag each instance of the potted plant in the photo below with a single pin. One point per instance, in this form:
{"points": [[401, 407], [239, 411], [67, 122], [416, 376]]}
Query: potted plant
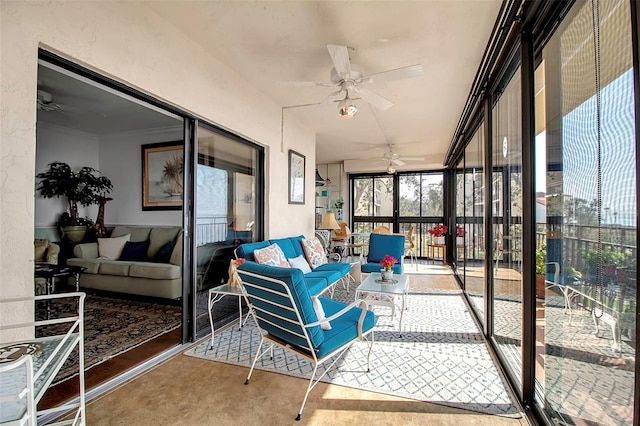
{"points": [[338, 206], [84, 186], [541, 270], [438, 232], [459, 236], [387, 263]]}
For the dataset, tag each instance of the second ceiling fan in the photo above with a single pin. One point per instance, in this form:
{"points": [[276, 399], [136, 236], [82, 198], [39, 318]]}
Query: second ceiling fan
{"points": [[350, 78]]}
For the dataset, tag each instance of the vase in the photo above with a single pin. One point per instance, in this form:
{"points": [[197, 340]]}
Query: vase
{"points": [[459, 241], [439, 241], [386, 275]]}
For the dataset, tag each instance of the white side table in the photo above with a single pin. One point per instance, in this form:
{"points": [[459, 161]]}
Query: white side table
{"points": [[216, 294], [385, 294]]}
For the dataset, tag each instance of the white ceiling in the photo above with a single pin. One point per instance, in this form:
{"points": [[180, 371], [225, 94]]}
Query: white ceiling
{"points": [[268, 42], [273, 41]]}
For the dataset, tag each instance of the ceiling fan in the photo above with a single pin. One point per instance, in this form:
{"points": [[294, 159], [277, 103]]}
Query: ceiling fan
{"points": [[45, 101], [350, 78], [393, 158]]}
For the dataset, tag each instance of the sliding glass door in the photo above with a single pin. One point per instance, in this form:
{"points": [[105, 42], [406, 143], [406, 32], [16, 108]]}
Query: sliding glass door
{"points": [[227, 175]]}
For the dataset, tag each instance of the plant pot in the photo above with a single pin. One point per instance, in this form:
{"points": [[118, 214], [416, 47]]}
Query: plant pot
{"points": [[459, 241], [386, 275], [439, 241], [540, 286], [74, 234]]}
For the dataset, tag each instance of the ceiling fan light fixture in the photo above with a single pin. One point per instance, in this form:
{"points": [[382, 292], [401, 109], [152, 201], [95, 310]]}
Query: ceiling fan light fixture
{"points": [[347, 108], [391, 170]]}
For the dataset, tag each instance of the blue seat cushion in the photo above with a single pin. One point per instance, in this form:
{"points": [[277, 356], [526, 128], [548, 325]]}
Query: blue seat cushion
{"points": [[344, 328], [294, 280], [341, 268], [368, 268], [315, 284], [329, 275], [246, 250]]}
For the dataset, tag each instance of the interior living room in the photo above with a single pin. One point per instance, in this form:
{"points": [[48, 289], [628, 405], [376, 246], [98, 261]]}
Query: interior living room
{"points": [[457, 179]]}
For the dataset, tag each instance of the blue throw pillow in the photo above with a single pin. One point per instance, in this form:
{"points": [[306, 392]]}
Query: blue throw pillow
{"points": [[135, 250], [164, 254]]}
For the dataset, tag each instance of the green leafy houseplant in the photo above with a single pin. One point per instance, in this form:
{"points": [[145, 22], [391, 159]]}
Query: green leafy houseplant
{"points": [[84, 187]]}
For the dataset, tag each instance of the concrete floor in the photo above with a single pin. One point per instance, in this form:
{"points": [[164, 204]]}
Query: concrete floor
{"points": [[191, 391]]}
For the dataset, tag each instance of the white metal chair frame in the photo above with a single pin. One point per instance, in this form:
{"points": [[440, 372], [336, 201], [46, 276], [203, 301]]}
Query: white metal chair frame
{"points": [[410, 247], [54, 361], [307, 352]]}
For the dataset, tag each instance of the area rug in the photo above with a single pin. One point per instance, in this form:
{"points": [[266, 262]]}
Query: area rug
{"points": [[111, 326], [440, 356]]}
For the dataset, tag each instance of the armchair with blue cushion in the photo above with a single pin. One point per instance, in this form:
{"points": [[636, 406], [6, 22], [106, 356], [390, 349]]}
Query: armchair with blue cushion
{"points": [[381, 245], [287, 316]]}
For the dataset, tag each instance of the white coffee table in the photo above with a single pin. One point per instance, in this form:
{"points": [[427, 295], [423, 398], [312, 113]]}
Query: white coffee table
{"points": [[385, 294]]}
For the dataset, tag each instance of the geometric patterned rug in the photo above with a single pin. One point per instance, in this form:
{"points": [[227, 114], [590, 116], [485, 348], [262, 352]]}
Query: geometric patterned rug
{"points": [[440, 356]]}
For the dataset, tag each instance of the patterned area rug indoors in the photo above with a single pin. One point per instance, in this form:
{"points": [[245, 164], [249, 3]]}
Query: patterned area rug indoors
{"points": [[111, 327], [439, 358]]}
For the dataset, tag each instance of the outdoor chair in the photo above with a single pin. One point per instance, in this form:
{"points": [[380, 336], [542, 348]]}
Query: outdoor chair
{"points": [[381, 245], [288, 317], [410, 247]]}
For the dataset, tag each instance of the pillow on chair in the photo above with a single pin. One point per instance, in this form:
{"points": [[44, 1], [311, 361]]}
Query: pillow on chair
{"points": [[314, 251], [272, 256], [301, 263]]}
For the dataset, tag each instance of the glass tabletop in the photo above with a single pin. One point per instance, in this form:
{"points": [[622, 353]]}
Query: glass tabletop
{"points": [[398, 287], [227, 289]]}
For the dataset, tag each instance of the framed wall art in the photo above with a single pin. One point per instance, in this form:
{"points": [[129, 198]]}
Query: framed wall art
{"points": [[296, 177], [162, 176]]}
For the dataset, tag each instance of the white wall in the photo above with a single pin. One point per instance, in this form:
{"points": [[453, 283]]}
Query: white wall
{"points": [[130, 43], [77, 149], [120, 161]]}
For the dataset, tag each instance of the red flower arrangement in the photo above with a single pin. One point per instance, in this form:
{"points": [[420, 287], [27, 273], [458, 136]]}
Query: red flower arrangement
{"points": [[388, 261], [239, 261], [438, 230], [459, 231]]}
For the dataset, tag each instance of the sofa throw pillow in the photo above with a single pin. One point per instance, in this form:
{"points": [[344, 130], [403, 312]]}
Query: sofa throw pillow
{"points": [[314, 251], [135, 251], [272, 256], [317, 306], [111, 248], [164, 254], [301, 263]]}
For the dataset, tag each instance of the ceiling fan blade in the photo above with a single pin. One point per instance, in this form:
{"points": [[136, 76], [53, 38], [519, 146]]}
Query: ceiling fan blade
{"points": [[397, 74], [397, 162], [373, 98], [411, 158], [340, 58], [329, 99], [307, 83]]}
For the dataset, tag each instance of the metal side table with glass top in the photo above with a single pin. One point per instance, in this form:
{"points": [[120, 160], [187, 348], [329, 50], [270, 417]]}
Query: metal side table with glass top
{"points": [[216, 294], [377, 292]]}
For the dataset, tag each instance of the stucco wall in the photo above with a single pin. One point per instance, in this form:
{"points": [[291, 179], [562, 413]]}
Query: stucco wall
{"points": [[130, 43]]}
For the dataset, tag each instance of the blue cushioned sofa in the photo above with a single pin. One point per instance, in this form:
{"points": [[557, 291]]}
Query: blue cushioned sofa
{"points": [[318, 280], [381, 245]]}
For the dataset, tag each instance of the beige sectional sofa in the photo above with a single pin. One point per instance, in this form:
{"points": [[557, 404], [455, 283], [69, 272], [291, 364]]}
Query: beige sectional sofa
{"points": [[140, 277]]}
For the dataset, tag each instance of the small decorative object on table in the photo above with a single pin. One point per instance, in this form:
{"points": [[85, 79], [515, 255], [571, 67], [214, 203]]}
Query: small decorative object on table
{"points": [[459, 236], [234, 279], [387, 263]]}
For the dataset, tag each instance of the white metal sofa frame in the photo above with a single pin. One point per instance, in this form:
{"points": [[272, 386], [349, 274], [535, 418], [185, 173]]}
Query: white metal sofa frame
{"points": [[296, 327]]}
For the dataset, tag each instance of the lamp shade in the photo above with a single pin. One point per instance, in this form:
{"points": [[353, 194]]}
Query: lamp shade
{"points": [[329, 222]]}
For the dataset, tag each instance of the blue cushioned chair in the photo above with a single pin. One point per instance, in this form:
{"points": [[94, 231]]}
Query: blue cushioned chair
{"points": [[282, 308], [381, 245]]}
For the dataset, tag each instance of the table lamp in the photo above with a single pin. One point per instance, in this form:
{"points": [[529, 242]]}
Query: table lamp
{"points": [[329, 222]]}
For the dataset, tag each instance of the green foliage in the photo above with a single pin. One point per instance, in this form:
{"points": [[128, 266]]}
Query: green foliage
{"points": [[541, 260], [609, 258], [84, 186]]}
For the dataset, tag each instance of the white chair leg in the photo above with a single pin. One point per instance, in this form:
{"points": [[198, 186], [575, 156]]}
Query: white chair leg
{"points": [[259, 354], [304, 401]]}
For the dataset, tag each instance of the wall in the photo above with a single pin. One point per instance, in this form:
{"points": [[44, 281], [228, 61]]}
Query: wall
{"points": [[130, 43], [120, 161]]}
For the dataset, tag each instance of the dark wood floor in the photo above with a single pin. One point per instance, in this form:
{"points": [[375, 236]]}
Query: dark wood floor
{"points": [[109, 369]]}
